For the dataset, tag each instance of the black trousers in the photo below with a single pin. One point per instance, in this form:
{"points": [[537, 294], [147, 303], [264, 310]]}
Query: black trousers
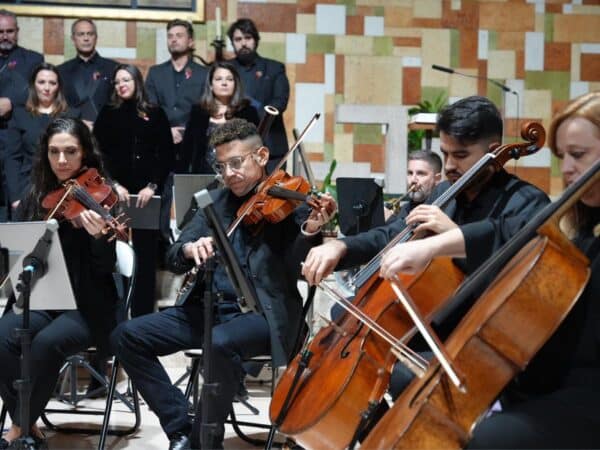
{"points": [[140, 341], [55, 336], [567, 418]]}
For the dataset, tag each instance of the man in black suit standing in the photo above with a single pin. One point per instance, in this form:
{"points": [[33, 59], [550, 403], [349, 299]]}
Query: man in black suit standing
{"points": [[177, 84], [16, 65], [87, 77], [264, 81]]}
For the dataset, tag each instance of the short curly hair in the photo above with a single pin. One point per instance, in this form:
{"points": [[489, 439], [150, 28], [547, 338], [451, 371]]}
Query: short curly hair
{"points": [[235, 129]]}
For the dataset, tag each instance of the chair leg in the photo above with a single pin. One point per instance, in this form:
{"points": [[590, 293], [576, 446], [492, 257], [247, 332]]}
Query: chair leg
{"points": [[3, 417]]}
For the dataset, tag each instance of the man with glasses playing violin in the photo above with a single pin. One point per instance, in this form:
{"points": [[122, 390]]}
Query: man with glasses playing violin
{"points": [[269, 255]]}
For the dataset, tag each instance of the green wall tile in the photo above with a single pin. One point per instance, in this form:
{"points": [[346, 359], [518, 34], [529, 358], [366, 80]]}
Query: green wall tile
{"points": [[454, 48], [317, 43], [146, 43], [557, 82], [273, 50], [347, 3], [328, 151], [383, 45], [339, 99], [367, 134], [379, 11], [338, 128], [555, 166], [432, 93], [350, 10], [549, 27], [69, 48], [495, 94], [492, 40]]}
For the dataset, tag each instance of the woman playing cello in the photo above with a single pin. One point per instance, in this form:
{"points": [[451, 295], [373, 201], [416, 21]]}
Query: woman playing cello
{"points": [[66, 148], [554, 403]]}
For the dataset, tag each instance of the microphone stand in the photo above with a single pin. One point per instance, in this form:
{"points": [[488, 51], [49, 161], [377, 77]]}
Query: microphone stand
{"points": [[246, 299], [35, 267], [504, 87]]}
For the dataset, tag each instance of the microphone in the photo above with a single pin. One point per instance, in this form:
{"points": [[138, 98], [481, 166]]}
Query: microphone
{"points": [[442, 68], [449, 70], [36, 262]]}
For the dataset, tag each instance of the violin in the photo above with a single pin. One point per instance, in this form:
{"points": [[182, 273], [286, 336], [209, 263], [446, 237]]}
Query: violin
{"points": [[541, 274], [87, 191], [327, 390]]}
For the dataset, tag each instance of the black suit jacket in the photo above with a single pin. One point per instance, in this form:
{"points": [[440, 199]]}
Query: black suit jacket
{"points": [[88, 90], [270, 260], [194, 147], [177, 103], [266, 82], [14, 78]]}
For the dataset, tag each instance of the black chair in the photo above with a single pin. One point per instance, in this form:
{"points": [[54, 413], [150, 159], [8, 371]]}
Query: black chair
{"points": [[194, 371], [125, 271]]}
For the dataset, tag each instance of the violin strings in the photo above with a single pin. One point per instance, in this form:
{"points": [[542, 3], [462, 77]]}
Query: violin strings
{"points": [[396, 344], [88, 201]]}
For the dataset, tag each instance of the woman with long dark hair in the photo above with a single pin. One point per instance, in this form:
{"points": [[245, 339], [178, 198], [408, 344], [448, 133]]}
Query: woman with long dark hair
{"points": [[45, 102], [66, 150], [135, 139], [222, 99]]}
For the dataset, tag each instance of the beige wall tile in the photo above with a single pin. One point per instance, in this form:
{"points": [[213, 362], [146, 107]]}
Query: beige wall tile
{"points": [[501, 64], [111, 33], [343, 147], [575, 62], [31, 33], [354, 45], [373, 80], [435, 50], [306, 23], [431, 9], [406, 51], [537, 103], [463, 86]]}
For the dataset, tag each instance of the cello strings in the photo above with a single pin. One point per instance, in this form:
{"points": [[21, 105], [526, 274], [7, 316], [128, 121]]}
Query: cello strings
{"points": [[396, 344]]}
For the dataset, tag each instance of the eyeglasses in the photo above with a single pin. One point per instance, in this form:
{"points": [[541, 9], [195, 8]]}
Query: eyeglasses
{"points": [[234, 163]]}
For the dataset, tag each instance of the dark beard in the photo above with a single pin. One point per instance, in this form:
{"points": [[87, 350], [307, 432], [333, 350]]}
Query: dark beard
{"points": [[247, 58]]}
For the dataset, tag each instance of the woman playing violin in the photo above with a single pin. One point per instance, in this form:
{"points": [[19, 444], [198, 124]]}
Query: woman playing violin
{"points": [[66, 148], [554, 402], [269, 255]]}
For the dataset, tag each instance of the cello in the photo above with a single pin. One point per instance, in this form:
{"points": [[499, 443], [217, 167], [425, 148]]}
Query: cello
{"points": [[542, 276], [345, 370]]}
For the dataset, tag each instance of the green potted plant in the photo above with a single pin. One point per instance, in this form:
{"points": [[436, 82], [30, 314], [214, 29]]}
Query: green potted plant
{"points": [[330, 228], [415, 137]]}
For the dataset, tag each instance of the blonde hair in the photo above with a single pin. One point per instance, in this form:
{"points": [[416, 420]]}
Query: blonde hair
{"points": [[587, 107]]}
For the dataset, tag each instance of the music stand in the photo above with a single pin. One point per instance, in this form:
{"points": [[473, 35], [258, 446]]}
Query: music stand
{"points": [[42, 284], [146, 218], [184, 188], [360, 203], [52, 291]]}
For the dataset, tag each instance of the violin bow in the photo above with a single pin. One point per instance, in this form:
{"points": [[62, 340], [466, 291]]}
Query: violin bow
{"points": [[281, 162]]}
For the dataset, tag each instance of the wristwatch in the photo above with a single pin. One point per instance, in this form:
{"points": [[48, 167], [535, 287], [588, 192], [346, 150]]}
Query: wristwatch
{"points": [[152, 186]]}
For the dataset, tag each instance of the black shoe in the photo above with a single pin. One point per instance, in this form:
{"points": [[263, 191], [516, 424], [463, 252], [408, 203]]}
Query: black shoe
{"points": [[40, 443], [242, 393], [179, 442], [4, 444]]}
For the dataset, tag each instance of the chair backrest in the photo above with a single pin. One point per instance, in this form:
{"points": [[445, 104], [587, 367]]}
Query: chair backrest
{"points": [[125, 266]]}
